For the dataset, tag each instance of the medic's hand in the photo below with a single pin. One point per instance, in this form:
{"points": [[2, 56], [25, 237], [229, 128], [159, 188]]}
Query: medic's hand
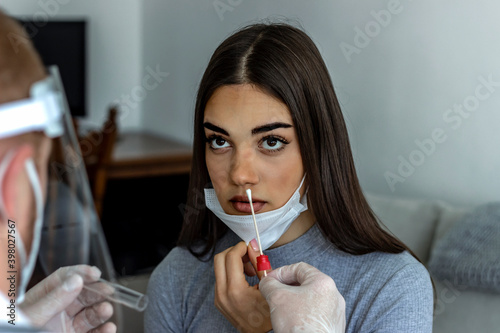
{"points": [[301, 298], [241, 304], [60, 304]]}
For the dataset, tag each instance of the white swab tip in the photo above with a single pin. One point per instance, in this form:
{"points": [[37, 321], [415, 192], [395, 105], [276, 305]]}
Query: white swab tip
{"points": [[249, 194]]}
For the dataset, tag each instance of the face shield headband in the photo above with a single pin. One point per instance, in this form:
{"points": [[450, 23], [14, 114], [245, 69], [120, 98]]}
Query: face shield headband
{"points": [[71, 233], [41, 112]]}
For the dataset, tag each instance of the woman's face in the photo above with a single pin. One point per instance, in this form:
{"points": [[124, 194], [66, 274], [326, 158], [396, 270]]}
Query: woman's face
{"points": [[251, 143]]}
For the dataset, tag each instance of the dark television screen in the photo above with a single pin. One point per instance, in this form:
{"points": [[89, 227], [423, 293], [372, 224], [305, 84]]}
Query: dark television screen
{"points": [[63, 43]]}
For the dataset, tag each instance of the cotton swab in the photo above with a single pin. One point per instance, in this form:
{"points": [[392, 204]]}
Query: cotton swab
{"points": [[262, 260], [249, 195]]}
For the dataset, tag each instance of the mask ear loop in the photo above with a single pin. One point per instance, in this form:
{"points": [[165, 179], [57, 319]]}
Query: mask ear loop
{"points": [[30, 260], [4, 164]]}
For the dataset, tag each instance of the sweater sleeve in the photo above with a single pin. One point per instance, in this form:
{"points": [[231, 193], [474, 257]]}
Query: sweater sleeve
{"points": [[403, 304], [163, 313]]}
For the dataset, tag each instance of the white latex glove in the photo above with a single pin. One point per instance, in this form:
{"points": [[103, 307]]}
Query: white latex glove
{"points": [[60, 304], [303, 299]]}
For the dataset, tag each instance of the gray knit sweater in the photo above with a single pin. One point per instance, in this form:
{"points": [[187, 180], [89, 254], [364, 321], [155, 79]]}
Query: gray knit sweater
{"points": [[383, 292]]}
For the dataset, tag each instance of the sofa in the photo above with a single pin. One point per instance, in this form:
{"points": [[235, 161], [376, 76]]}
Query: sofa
{"points": [[422, 225]]}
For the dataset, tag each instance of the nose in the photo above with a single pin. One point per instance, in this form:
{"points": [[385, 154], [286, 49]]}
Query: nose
{"points": [[243, 171]]}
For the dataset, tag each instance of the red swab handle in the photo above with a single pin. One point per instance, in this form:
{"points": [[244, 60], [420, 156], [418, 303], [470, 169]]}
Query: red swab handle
{"points": [[263, 263]]}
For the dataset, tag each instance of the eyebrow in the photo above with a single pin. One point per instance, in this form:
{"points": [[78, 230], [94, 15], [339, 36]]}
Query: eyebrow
{"points": [[270, 127], [256, 130], [214, 128]]}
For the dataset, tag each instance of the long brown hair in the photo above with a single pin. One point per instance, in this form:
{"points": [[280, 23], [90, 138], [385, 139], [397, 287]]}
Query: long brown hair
{"points": [[284, 62]]}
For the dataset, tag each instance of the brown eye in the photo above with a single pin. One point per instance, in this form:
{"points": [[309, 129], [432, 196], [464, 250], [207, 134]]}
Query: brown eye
{"points": [[272, 142], [217, 142], [220, 141]]}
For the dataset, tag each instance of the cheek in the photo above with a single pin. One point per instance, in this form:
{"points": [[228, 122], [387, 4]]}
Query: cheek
{"points": [[216, 166], [283, 176], [287, 167]]}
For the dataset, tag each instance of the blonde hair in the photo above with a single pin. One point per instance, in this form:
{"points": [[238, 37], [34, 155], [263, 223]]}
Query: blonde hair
{"points": [[20, 67], [20, 64]]}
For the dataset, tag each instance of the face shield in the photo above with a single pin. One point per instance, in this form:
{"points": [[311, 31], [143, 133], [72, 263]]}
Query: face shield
{"points": [[70, 233]]}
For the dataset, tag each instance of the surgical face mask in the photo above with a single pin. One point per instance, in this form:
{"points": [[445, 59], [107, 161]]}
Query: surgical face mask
{"points": [[27, 262], [272, 224]]}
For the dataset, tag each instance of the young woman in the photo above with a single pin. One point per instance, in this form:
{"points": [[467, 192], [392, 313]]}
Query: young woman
{"points": [[267, 119]]}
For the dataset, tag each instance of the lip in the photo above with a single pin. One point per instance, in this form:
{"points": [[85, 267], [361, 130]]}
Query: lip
{"points": [[242, 205]]}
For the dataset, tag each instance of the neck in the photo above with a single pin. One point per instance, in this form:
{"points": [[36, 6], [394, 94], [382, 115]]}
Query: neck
{"points": [[298, 227]]}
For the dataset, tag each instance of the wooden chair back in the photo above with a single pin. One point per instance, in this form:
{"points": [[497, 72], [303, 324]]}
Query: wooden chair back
{"points": [[97, 149]]}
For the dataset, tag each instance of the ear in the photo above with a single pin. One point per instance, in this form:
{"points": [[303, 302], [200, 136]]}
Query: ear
{"points": [[15, 186]]}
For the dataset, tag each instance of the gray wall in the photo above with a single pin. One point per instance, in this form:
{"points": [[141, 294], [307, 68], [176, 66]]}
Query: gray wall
{"points": [[398, 82], [401, 80]]}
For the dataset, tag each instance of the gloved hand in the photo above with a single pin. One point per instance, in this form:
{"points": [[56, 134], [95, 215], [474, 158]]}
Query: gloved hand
{"points": [[60, 304], [301, 298]]}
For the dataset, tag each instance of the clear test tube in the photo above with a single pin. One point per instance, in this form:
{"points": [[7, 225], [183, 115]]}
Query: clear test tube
{"points": [[119, 294]]}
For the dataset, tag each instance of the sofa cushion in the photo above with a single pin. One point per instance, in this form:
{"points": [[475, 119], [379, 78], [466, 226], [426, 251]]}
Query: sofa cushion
{"points": [[449, 215], [460, 309], [411, 220], [133, 320], [469, 253]]}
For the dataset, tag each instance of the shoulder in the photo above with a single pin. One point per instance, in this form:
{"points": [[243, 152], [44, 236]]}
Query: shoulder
{"points": [[375, 269], [396, 274], [401, 275], [383, 266], [396, 268], [392, 292], [405, 302], [396, 261]]}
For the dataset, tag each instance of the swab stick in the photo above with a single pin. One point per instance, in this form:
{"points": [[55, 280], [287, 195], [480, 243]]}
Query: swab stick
{"points": [[262, 260]]}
